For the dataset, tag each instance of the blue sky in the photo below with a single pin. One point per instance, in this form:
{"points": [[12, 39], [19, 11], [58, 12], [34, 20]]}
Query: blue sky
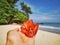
{"points": [[43, 10]]}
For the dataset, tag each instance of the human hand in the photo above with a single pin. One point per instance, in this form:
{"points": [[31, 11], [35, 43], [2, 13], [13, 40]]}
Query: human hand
{"points": [[15, 37]]}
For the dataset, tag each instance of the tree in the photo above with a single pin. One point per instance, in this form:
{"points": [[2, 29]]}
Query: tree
{"points": [[12, 2], [25, 8], [8, 13]]}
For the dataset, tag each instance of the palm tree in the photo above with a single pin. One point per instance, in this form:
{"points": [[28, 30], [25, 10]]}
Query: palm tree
{"points": [[25, 8]]}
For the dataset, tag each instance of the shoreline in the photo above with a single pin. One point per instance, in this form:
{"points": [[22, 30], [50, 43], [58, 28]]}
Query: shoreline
{"points": [[50, 29]]}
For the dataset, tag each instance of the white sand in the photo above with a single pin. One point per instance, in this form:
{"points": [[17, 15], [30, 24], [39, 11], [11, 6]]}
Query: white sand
{"points": [[42, 37]]}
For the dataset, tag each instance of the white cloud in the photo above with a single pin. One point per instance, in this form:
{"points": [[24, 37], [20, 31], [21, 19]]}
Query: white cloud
{"points": [[43, 18]]}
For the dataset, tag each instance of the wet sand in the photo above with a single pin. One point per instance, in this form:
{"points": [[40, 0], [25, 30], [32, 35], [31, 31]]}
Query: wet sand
{"points": [[42, 37]]}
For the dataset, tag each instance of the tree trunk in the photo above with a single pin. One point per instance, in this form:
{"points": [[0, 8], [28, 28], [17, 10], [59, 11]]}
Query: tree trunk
{"points": [[10, 20], [27, 15]]}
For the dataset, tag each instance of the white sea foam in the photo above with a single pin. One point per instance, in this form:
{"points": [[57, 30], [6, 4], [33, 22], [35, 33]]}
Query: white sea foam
{"points": [[51, 27]]}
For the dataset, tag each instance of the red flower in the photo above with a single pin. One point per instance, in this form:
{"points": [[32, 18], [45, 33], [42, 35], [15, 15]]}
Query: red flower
{"points": [[29, 28]]}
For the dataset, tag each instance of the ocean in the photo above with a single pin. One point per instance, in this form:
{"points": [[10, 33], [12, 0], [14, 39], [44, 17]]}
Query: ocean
{"points": [[52, 24], [50, 27]]}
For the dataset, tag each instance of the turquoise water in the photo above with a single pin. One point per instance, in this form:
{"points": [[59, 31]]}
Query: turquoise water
{"points": [[51, 24]]}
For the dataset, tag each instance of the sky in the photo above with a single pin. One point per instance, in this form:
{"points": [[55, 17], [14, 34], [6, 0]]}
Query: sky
{"points": [[43, 10]]}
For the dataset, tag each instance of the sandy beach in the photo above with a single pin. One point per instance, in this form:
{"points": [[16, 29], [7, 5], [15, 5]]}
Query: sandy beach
{"points": [[42, 37]]}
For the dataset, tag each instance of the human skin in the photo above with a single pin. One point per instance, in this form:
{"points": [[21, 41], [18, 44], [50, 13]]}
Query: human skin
{"points": [[16, 37]]}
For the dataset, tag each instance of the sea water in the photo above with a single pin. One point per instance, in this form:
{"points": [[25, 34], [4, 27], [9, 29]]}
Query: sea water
{"points": [[52, 24], [50, 27]]}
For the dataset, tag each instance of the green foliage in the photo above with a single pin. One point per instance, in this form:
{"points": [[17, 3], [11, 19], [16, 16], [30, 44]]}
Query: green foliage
{"points": [[26, 8], [12, 2], [8, 13], [20, 16], [3, 21]]}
